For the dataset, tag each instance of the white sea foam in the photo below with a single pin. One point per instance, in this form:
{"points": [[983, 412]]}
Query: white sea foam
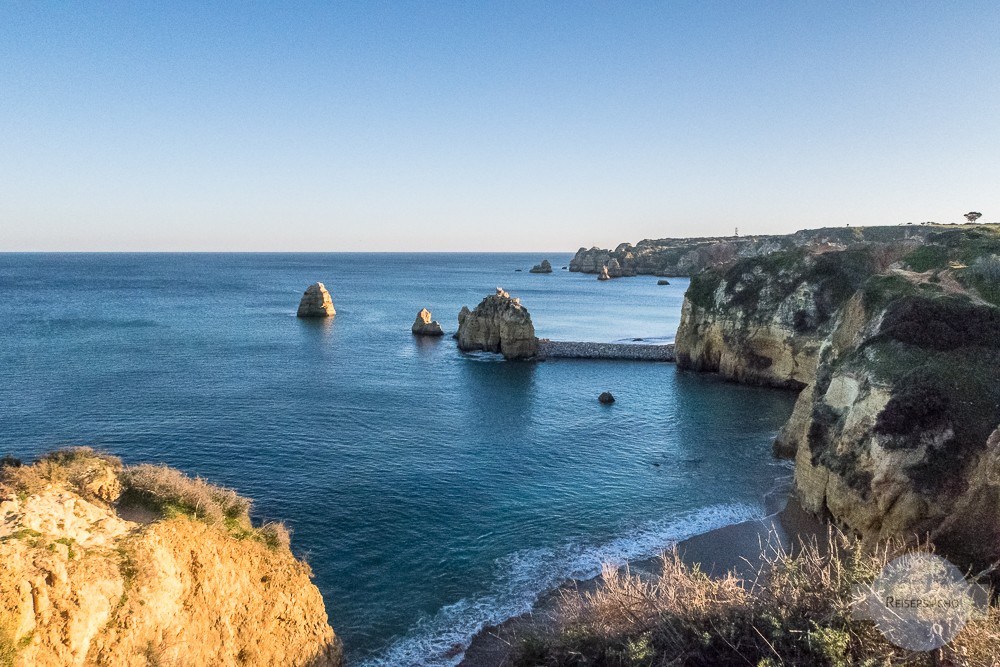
{"points": [[440, 640]]}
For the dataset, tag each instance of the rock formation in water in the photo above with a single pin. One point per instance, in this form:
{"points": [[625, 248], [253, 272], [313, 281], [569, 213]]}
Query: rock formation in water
{"points": [[498, 324], [316, 302], [104, 565], [604, 274], [606, 398], [425, 326], [663, 281], [896, 349], [686, 257], [544, 267]]}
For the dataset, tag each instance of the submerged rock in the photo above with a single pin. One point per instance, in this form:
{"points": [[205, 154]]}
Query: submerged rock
{"points": [[498, 324], [316, 302], [544, 267], [425, 326], [607, 398]]}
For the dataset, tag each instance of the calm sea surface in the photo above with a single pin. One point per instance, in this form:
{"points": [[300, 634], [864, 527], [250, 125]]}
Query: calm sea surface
{"points": [[431, 491]]}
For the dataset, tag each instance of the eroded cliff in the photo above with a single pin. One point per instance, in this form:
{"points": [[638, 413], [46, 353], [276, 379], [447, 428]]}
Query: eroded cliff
{"points": [[105, 565], [897, 346]]}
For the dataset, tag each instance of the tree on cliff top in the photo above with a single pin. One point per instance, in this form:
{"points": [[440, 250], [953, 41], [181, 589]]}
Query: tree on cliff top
{"points": [[972, 216]]}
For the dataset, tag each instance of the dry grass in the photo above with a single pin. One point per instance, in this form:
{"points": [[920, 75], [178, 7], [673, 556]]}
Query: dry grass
{"points": [[76, 467], [171, 492], [796, 610]]}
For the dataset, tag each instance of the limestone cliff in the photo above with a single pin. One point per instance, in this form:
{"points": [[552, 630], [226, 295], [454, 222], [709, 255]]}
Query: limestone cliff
{"points": [[897, 346], [689, 256], [498, 324], [111, 566], [762, 320]]}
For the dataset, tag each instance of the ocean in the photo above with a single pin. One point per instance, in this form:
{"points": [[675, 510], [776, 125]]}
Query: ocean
{"points": [[431, 491]]}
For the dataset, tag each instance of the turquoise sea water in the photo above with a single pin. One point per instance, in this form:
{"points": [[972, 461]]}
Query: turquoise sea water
{"points": [[431, 491]]}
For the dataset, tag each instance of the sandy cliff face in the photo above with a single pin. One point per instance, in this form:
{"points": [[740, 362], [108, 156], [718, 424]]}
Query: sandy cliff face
{"points": [[895, 432], [85, 584]]}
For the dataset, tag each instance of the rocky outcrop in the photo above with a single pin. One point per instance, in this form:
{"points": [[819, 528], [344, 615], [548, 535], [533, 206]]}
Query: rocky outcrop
{"points": [[896, 348], [689, 256], [606, 397], [762, 321], [425, 326], [604, 275], [498, 324], [544, 267], [88, 582], [316, 302]]}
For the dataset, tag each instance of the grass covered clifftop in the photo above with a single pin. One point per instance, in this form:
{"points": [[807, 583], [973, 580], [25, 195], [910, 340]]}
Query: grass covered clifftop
{"points": [[142, 565], [895, 346]]}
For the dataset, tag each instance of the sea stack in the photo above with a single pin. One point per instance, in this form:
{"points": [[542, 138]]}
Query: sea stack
{"points": [[425, 326], [544, 267], [316, 302], [498, 324]]}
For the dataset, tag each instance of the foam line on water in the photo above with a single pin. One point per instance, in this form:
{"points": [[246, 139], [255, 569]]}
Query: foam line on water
{"points": [[440, 640]]}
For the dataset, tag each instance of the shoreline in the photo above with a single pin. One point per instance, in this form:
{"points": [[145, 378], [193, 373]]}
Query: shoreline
{"points": [[736, 547]]}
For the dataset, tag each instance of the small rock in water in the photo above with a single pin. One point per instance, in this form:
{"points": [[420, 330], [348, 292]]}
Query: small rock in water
{"points": [[518, 270], [425, 326], [663, 282], [316, 302], [606, 398], [564, 268], [544, 267], [604, 274]]}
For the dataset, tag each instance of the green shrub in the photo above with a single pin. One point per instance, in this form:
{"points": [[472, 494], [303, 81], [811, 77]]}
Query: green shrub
{"points": [[927, 257], [942, 323], [701, 290], [918, 404]]}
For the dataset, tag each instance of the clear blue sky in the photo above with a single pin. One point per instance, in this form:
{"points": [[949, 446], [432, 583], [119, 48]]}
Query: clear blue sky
{"points": [[487, 125]]}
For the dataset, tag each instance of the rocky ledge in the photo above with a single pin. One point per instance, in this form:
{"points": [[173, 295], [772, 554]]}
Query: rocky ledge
{"points": [[498, 324], [108, 565], [895, 346], [424, 325], [316, 302]]}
